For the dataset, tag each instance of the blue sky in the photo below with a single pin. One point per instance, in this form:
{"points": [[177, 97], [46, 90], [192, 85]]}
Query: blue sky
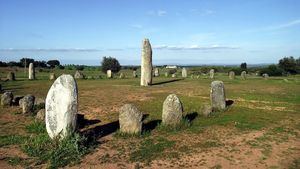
{"points": [[180, 31]]}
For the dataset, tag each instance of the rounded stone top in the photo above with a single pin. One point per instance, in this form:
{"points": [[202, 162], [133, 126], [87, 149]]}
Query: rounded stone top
{"points": [[216, 82]]}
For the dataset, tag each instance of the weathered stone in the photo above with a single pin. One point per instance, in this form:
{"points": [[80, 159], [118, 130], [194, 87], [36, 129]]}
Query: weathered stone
{"points": [[244, 75], [40, 116], [184, 73], [231, 75], [174, 75], [166, 74], [265, 75], [130, 119], [156, 72], [78, 75], [109, 74], [52, 76], [31, 72], [212, 73], [146, 65], [172, 110], [122, 76], [206, 110], [134, 74], [6, 99], [11, 76], [28, 104], [61, 107], [16, 100], [217, 96], [21, 103]]}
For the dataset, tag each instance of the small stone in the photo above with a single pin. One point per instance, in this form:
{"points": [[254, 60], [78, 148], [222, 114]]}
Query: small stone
{"points": [[109, 74], [52, 76], [166, 74], [206, 110], [130, 119], [217, 96], [184, 73], [6, 99], [231, 75], [156, 72], [174, 75], [11, 76], [78, 75], [212, 73], [172, 110], [40, 116], [39, 101], [21, 103], [265, 75], [122, 76], [243, 75], [134, 74], [28, 104]]}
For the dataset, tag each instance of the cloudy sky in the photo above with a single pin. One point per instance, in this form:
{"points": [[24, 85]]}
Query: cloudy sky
{"points": [[180, 31]]}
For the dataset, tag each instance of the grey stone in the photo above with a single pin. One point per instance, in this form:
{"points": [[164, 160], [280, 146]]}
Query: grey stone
{"points": [[156, 72], [109, 74], [206, 110], [217, 96], [166, 74], [31, 72], [21, 103], [122, 76], [244, 75], [130, 119], [231, 75], [61, 107], [134, 74], [265, 75], [184, 73], [28, 104], [78, 75], [174, 75], [6, 99], [212, 73], [146, 65], [11, 76], [40, 116], [52, 76], [172, 110]]}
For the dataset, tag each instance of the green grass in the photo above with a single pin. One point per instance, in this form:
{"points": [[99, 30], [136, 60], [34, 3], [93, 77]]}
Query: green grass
{"points": [[11, 140]]}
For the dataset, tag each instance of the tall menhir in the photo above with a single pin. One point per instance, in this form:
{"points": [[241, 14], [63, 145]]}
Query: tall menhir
{"points": [[146, 66]]}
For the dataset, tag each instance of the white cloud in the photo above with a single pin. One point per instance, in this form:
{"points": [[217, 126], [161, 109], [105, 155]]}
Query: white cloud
{"points": [[275, 27], [157, 12], [137, 26], [161, 13], [194, 47], [203, 12]]}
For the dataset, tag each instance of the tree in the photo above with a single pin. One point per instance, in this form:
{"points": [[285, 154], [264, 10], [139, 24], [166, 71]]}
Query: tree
{"points": [[28, 61], [288, 64], [53, 63], [3, 64], [110, 63], [244, 66], [42, 64]]}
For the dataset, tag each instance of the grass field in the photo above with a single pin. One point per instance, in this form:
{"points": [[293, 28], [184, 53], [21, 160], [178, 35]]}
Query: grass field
{"points": [[261, 129]]}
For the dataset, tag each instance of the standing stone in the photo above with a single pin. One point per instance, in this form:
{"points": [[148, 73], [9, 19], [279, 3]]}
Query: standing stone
{"points": [[174, 75], [11, 76], [28, 104], [166, 74], [156, 72], [243, 75], [217, 96], [265, 76], [52, 76], [134, 74], [78, 75], [21, 103], [62, 106], [206, 110], [130, 119], [184, 72], [109, 74], [31, 72], [6, 99], [146, 66], [40, 116], [231, 75], [122, 76], [212, 73], [172, 110]]}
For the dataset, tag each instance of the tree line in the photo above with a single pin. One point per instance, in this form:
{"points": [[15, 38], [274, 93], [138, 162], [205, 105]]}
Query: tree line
{"points": [[26, 61]]}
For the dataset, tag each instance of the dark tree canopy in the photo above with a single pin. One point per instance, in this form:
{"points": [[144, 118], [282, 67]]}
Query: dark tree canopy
{"points": [[53, 63], [244, 66], [28, 60], [110, 63], [42, 64], [288, 64]]}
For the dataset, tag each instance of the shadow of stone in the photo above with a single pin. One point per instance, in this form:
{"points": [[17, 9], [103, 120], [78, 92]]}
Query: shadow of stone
{"points": [[82, 122], [164, 82], [229, 103], [145, 116], [151, 125], [103, 130], [191, 116], [15, 101]]}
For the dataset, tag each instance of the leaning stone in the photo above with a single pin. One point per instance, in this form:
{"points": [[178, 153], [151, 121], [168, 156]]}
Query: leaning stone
{"points": [[109, 74], [172, 110], [122, 76], [231, 75], [28, 104], [217, 96], [6, 99], [146, 65], [206, 110], [11, 76], [212, 73], [31, 72], [243, 75], [130, 119], [184, 73], [40, 116], [78, 75], [61, 107], [52, 76]]}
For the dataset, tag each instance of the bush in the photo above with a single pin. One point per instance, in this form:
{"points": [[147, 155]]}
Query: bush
{"points": [[172, 71], [289, 64], [110, 63], [272, 70]]}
